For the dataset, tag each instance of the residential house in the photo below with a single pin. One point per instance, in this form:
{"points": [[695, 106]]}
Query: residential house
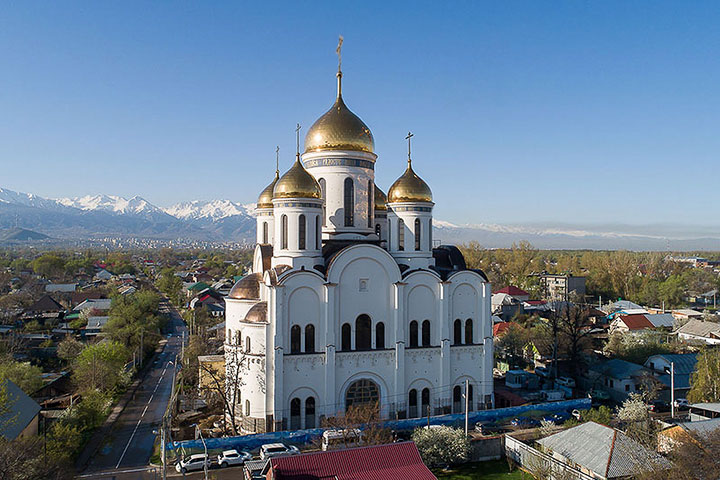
{"points": [[685, 314], [61, 287], [103, 275], [210, 300], [515, 292], [618, 377], [94, 326], [394, 460], [623, 306], [562, 287], [704, 411], [21, 418], [46, 306], [683, 367], [685, 432], [698, 331], [630, 323], [598, 452], [99, 304], [127, 290], [506, 306], [661, 320]]}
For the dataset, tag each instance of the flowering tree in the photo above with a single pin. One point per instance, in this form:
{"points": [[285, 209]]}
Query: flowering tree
{"points": [[442, 445]]}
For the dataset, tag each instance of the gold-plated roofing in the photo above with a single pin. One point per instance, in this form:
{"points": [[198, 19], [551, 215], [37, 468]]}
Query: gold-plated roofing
{"points": [[266, 196], [257, 314], [297, 183], [247, 288], [380, 199], [409, 187]]}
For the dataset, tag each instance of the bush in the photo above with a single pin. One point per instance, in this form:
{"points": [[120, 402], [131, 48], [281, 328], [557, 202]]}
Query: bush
{"points": [[442, 446]]}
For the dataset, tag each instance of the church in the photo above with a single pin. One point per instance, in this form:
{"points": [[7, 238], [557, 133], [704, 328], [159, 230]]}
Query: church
{"points": [[349, 301]]}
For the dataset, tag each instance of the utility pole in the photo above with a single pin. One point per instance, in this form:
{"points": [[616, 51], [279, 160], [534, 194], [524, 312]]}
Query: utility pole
{"points": [[162, 447], [467, 404], [428, 415], [672, 389]]}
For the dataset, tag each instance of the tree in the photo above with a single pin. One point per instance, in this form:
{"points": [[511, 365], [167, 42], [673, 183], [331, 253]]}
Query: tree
{"points": [[366, 417], [69, 349], [705, 384], [101, 367], [636, 418], [512, 344], [442, 445], [22, 374], [49, 265]]}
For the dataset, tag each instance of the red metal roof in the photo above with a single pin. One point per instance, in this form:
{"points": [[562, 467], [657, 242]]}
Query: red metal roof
{"points": [[380, 462], [513, 291], [636, 322], [501, 328]]}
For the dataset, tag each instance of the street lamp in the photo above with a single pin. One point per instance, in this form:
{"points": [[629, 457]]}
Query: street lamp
{"points": [[205, 462]]}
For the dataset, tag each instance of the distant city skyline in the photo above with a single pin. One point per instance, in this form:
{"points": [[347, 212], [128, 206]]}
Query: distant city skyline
{"points": [[522, 112]]}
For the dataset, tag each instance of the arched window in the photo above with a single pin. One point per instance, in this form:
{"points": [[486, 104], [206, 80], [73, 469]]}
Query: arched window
{"points": [[284, 232], [295, 339], [413, 334], [247, 408], [265, 232], [425, 402], [401, 234], [309, 338], [247, 344], [310, 412], [363, 333], [349, 203], [324, 198], [228, 337], [412, 404], [371, 197], [318, 233], [302, 232], [417, 234], [380, 335], [457, 399], [457, 332], [362, 392], [295, 414], [346, 329], [238, 338], [469, 331], [377, 229], [426, 333]]}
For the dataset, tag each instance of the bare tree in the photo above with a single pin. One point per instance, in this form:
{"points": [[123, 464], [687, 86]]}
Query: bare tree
{"points": [[225, 384], [365, 417]]}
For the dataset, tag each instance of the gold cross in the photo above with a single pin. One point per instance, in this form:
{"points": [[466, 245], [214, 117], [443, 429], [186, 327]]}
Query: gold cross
{"points": [[297, 139], [338, 50], [277, 160], [409, 136]]}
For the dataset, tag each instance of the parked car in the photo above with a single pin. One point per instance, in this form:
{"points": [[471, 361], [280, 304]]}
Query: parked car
{"points": [[277, 449], [525, 422], [576, 413], [542, 372], [566, 382], [233, 457], [598, 396], [659, 406], [682, 404], [484, 428], [557, 418], [192, 462]]}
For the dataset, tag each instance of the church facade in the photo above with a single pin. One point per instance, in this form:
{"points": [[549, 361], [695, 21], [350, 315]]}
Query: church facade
{"points": [[349, 302]]}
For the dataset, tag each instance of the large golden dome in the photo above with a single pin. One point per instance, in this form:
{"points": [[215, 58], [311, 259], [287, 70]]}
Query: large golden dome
{"points": [[409, 188], [380, 199], [247, 288], [339, 129], [297, 183], [265, 198]]}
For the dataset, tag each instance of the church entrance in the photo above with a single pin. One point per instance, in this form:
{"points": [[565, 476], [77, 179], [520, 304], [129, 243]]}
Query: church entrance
{"points": [[362, 392]]}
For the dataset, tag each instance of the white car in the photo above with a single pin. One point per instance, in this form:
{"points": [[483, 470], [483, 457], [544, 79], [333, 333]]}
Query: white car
{"points": [[276, 449], [682, 404], [565, 382], [192, 462], [233, 457]]}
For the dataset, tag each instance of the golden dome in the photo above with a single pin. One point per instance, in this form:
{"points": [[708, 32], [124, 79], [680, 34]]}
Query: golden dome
{"points": [[257, 314], [339, 129], [247, 288], [297, 183], [265, 198], [409, 188], [380, 199]]}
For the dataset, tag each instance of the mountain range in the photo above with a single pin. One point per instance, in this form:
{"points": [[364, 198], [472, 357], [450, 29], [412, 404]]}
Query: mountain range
{"points": [[108, 216]]}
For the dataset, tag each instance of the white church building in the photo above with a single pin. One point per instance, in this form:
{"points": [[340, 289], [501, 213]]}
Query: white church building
{"points": [[349, 301]]}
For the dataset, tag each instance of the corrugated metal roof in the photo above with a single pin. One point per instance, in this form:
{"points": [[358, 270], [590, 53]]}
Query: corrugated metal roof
{"points": [[661, 319], [700, 328], [22, 409], [607, 452], [381, 462]]}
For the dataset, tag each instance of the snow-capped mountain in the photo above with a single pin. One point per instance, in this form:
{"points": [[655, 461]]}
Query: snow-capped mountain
{"points": [[212, 210], [135, 206], [10, 197]]}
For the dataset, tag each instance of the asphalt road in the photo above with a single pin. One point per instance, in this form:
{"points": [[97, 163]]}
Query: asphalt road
{"points": [[230, 473], [130, 443]]}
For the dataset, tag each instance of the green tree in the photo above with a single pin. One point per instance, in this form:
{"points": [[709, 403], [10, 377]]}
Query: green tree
{"points": [[49, 265], [22, 374], [101, 367], [705, 384], [69, 349]]}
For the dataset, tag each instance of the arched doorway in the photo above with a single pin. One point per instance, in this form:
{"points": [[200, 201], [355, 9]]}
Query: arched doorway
{"points": [[362, 392], [363, 333]]}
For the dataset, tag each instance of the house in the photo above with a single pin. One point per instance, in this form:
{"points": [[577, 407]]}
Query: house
{"points": [[46, 306], [500, 329], [623, 306], [94, 326], [211, 368], [21, 419], [100, 304], [700, 331], [103, 275], [618, 377], [686, 314], [600, 452], [210, 300], [683, 366], [61, 287], [630, 323], [685, 432], [661, 320], [395, 460], [515, 292], [127, 290], [506, 306], [562, 287]]}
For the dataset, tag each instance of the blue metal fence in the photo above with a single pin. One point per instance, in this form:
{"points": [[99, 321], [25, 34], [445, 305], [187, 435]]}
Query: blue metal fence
{"points": [[305, 437]]}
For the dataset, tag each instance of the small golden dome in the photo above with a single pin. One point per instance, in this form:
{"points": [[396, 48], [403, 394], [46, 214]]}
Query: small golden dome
{"points": [[380, 199], [409, 188], [339, 129], [297, 183], [265, 198], [257, 314], [247, 288]]}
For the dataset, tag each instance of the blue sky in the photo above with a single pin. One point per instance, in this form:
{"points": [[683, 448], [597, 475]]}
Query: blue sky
{"points": [[577, 112]]}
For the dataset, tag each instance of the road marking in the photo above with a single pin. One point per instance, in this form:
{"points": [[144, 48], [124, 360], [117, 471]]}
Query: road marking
{"points": [[143, 414], [130, 440], [151, 397]]}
